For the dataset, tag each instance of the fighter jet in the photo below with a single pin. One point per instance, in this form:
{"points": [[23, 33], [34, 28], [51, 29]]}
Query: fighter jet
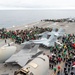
{"points": [[38, 66], [46, 41], [6, 52], [49, 38], [27, 53]]}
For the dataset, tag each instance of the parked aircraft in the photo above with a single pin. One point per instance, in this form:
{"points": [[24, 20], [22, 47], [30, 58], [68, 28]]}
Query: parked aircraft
{"points": [[46, 41], [28, 52], [49, 38], [6, 52], [38, 66]]}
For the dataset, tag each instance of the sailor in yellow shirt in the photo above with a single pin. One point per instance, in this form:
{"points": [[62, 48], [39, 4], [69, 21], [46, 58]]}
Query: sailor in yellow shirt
{"points": [[65, 47]]}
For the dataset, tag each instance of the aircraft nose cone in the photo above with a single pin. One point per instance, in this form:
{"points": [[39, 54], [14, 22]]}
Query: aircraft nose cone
{"points": [[6, 52]]}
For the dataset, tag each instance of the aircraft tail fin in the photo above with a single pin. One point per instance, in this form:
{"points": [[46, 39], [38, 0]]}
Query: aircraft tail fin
{"points": [[52, 39], [44, 34], [61, 31], [35, 48], [54, 29]]}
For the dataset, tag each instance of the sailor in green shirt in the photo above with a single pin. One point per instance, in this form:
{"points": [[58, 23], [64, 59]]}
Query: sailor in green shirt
{"points": [[71, 55], [69, 48], [74, 41], [54, 69], [57, 47], [64, 54], [51, 49], [13, 37]]}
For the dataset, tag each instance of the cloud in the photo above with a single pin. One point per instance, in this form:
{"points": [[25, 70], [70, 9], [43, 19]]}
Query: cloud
{"points": [[24, 4]]}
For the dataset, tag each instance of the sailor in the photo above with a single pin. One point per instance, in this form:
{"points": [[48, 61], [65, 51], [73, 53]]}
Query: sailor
{"points": [[66, 64], [5, 41], [49, 65], [54, 70], [68, 69], [72, 73], [66, 73], [52, 66], [64, 69]]}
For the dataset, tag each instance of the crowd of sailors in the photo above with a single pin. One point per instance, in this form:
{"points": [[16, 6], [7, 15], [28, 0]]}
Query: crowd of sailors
{"points": [[60, 20], [65, 54], [20, 36]]}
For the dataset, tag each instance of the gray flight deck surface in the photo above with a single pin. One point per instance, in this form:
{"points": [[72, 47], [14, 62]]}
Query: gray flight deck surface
{"points": [[68, 26]]}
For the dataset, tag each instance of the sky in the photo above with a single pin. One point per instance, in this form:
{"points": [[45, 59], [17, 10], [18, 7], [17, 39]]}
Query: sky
{"points": [[37, 4]]}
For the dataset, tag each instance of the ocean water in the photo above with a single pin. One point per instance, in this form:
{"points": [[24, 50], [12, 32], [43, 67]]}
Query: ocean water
{"points": [[8, 18]]}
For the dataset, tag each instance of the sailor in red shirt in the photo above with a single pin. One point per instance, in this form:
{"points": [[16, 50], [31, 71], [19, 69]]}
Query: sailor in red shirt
{"points": [[59, 59]]}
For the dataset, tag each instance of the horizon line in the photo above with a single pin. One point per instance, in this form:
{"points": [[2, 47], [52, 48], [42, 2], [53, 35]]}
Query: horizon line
{"points": [[37, 8]]}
